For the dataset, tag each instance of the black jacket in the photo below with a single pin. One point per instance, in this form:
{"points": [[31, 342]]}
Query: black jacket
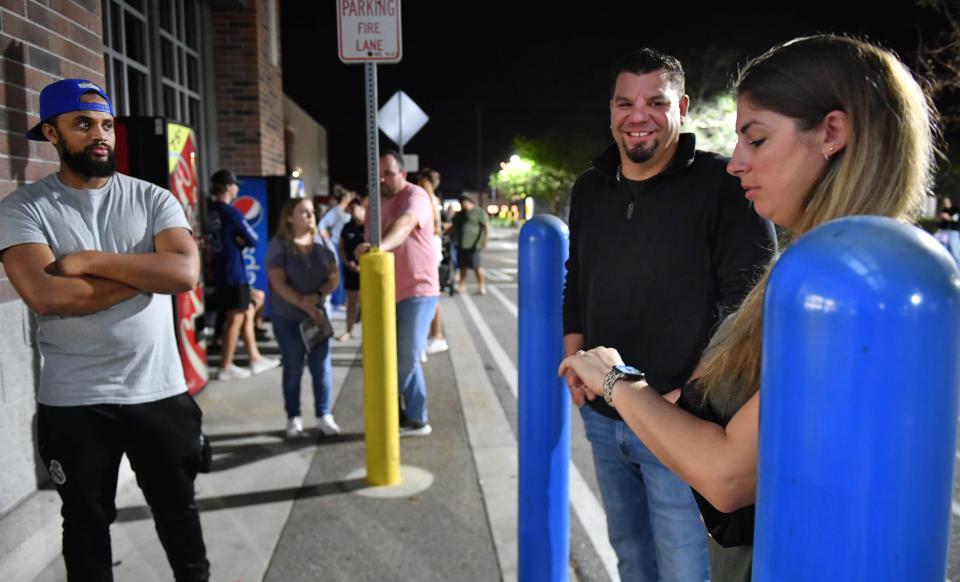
{"points": [[655, 286]]}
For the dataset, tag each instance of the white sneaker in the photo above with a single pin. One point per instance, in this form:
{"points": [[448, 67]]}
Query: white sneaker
{"points": [[233, 372], [435, 345], [423, 357], [327, 426], [264, 364], [294, 427]]}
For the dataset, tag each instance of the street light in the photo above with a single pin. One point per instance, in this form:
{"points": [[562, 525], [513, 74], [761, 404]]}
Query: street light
{"points": [[516, 167]]}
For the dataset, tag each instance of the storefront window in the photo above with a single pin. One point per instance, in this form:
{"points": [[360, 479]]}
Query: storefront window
{"points": [[127, 56], [180, 57], [152, 51]]}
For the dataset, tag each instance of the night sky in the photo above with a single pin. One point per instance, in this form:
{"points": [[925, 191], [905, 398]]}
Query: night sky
{"points": [[487, 71]]}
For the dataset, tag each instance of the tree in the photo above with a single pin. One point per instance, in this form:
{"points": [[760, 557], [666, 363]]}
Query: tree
{"points": [[710, 73], [522, 177], [544, 168], [712, 120], [938, 59]]}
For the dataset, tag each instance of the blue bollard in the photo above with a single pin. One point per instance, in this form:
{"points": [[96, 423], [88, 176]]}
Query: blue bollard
{"points": [[858, 408], [544, 405]]}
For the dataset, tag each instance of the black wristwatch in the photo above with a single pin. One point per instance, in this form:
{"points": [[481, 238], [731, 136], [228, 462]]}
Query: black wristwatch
{"points": [[620, 372]]}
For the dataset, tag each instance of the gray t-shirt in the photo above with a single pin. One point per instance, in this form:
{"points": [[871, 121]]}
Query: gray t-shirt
{"points": [[125, 354], [305, 272]]}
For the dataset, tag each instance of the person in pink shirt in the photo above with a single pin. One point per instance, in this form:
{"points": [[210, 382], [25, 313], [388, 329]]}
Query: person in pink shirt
{"points": [[406, 218]]}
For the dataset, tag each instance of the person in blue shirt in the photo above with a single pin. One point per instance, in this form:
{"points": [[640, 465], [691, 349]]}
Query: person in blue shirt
{"points": [[229, 233], [330, 226]]}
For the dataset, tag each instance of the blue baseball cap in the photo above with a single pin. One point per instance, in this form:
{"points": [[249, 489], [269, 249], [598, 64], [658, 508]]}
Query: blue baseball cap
{"points": [[64, 97]]}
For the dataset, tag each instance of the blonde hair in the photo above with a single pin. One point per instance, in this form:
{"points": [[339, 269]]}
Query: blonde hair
{"points": [[426, 182], [886, 168], [284, 228]]}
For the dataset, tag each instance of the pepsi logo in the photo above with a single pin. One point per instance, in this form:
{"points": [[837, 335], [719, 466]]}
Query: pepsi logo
{"points": [[250, 207]]}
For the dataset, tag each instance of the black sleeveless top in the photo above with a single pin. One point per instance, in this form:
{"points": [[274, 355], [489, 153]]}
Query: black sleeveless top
{"points": [[727, 529]]}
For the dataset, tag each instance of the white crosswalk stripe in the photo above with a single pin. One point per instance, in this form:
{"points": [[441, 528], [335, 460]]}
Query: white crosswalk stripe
{"points": [[499, 245], [584, 502], [497, 275], [510, 307]]}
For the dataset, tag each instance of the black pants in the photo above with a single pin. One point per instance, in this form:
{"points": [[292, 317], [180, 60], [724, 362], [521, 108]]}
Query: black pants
{"points": [[82, 447]]}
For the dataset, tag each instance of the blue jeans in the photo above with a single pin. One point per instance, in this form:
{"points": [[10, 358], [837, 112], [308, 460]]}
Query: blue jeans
{"points": [[953, 244], [652, 519], [413, 323], [339, 295], [293, 352]]}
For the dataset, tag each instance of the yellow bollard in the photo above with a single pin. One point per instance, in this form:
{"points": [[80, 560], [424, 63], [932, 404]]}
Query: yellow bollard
{"points": [[380, 404]]}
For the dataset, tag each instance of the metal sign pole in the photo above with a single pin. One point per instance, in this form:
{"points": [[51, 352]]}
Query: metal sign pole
{"points": [[373, 154]]}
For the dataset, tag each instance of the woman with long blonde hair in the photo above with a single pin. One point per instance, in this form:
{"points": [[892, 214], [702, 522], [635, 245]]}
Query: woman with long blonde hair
{"points": [[828, 126]]}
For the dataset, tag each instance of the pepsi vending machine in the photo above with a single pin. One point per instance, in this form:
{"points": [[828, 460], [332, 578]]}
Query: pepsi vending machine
{"points": [[165, 153], [260, 200]]}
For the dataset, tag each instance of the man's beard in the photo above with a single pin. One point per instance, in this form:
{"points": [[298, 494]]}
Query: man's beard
{"points": [[641, 154], [85, 164]]}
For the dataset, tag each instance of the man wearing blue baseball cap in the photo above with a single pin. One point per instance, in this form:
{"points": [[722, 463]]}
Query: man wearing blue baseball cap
{"points": [[97, 255]]}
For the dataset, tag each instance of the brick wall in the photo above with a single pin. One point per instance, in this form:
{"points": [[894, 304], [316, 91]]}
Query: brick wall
{"points": [[249, 92], [40, 42]]}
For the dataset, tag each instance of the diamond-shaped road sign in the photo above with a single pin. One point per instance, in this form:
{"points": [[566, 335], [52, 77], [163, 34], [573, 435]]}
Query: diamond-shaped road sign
{"points": [[400, 118]]}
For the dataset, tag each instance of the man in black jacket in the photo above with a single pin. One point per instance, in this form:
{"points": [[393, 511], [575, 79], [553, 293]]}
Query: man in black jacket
{"points": [[663, 244]]}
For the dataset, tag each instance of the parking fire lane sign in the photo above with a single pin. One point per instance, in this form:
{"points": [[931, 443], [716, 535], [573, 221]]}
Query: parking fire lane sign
{"points": [[369, 31]]}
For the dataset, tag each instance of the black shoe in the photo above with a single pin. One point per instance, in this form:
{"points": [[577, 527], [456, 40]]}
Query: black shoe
{"points": [[412, 429]]}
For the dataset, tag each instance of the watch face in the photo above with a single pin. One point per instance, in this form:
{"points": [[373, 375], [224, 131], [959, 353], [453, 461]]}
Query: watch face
{"points": [[629, 371]]}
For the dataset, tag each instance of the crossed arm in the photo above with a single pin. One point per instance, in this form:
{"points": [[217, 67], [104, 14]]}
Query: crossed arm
{"points": [[90, 281]]}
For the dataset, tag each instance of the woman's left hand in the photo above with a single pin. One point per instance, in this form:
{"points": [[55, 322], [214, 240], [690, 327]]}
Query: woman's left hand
{"points": [[590, 368]]}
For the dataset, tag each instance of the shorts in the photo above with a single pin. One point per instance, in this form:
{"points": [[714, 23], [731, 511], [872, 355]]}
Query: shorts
{"points": [[351, 280], [468, 258], [232, 298]]}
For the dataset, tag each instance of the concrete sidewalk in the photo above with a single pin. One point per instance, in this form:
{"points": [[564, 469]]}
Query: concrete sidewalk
{"points": [[278, 509]]}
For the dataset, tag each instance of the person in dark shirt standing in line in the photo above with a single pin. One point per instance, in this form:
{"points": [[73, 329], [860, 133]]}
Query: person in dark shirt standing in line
{"points": [[229, 233], [662, 246], [351, 236]]}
